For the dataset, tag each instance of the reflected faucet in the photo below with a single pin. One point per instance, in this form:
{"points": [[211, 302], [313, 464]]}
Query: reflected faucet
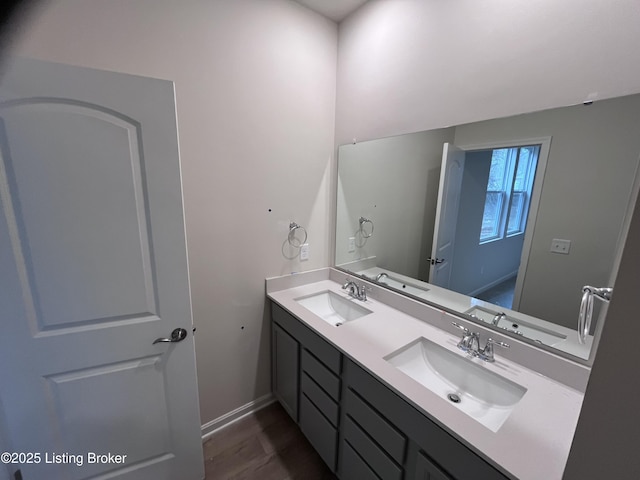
{"points": [[498, 317], [381, 276]]}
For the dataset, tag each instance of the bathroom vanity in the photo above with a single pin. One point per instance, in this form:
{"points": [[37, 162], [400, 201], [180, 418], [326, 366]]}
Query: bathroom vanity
{"points": [[381, 390]]}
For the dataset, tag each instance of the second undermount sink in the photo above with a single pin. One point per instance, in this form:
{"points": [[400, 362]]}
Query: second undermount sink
{"points": [[333, 308], [482, 394]]}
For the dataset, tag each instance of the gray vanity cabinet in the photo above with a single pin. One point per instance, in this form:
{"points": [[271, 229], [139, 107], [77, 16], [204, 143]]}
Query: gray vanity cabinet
{"points": [[315, 371], [416, 445], [361, 428]]}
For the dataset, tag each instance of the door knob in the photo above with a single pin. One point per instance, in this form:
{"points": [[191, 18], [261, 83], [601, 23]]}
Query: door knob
{"points": [[177, 335], [434, 261]]}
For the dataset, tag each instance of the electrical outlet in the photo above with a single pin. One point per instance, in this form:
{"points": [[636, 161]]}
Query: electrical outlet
{"points": [[304, 252], [558, 245], [352, 245]]}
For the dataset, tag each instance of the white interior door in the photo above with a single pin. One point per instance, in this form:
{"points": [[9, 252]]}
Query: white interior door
{"points": [[94, 269], [444, 232]]}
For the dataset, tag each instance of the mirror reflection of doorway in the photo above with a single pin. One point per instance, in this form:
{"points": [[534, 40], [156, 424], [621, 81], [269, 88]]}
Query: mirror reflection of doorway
{"points": [[496, 204]]}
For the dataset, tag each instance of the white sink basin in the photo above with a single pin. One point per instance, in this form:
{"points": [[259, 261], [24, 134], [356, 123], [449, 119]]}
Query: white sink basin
{"points": [[520, 327], [480, 393], [333, 308]]}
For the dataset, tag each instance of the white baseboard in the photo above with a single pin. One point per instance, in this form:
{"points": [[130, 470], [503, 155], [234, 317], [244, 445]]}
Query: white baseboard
{"points": [[209, 428], [498, 281]]}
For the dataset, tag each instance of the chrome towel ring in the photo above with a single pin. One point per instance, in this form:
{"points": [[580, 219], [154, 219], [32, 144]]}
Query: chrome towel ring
{"points": [[363, 221], [292, 239], [586, 308]]}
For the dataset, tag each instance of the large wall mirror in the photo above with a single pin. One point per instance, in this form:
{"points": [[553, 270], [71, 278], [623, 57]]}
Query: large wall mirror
{"points": [[503, 221]]}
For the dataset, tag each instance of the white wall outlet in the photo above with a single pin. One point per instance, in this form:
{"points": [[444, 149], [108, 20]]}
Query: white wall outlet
{"points": [[352, 245], [558, 245], [304, 252]]}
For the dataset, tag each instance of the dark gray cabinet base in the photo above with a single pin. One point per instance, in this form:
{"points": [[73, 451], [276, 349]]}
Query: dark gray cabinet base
{"points": [[360, 427]]}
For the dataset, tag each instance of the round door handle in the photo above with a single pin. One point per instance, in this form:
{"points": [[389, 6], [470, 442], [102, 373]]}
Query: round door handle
{"points": [[177, 335]]}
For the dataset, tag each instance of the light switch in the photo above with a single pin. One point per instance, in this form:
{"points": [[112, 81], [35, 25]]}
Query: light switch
{"points": [[558, 245], [352, 245], [304, 252]]}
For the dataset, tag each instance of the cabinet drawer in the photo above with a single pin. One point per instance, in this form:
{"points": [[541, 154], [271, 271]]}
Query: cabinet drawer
{"points": [[327, 406], [352, 466], [324, 377], [427, 470], [378, 428], [321, 349], [322, 435], [370, 452]]}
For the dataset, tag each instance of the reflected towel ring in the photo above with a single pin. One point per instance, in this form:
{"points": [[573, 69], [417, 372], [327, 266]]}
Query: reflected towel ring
{"points": [[362, 222], [293, 241]]}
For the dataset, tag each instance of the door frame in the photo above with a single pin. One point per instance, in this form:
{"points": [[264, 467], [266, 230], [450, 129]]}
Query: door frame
{"points": [[534, 205]]}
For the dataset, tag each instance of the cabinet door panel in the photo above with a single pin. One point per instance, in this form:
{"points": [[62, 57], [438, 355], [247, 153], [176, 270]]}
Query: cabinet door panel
{"points": [[285, 370], [426, 470]]}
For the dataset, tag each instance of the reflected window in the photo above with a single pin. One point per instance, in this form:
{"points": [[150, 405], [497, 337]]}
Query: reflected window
{"points": [[508, 192]]}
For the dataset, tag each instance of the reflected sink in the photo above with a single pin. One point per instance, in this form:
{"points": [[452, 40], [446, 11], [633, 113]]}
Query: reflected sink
{"points": [[403, 286], [520, 327], [480, 393], [333, 308]]}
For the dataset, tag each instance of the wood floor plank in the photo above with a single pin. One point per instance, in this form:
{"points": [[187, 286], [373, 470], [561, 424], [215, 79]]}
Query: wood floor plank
{"points": [[265, 445]]}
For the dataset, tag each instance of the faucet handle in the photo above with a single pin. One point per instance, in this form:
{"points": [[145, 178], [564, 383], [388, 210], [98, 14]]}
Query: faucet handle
{"points": [[462, 327], [487, 352], [491, 341]]}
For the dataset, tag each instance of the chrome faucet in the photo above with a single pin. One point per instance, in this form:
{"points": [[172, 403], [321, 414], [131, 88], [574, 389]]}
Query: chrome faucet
{"points": [[498, 317], [354, 291], [470, 343]]}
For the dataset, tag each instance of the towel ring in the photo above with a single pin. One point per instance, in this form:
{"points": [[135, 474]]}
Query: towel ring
{"points": [[362, 222], [586, 308], [293, 241]]}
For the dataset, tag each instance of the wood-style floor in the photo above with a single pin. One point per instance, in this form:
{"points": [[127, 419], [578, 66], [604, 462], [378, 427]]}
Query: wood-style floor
{"points": [[265, 445]]}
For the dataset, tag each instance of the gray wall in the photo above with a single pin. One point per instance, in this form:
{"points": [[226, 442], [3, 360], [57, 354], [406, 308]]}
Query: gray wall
{"points": [[255, 94], [390, 181]]}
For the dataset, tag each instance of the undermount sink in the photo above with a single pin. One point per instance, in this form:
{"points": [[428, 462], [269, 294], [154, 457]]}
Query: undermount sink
{"points": [[480, 393], [333, 308]]}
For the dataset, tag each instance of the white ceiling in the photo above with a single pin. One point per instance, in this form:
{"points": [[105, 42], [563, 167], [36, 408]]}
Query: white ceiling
{"points": [[336, 10]]}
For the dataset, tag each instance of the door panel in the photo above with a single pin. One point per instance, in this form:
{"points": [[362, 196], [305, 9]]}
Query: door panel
{"points": [[93, 261], [77, 183], [444, 233]]}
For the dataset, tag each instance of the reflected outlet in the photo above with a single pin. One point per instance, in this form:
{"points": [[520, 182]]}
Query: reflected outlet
{"points": [[352, 245], [558, 245]]}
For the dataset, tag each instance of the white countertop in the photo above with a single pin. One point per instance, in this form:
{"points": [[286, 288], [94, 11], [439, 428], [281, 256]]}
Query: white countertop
{"points": [[534, 441]]}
